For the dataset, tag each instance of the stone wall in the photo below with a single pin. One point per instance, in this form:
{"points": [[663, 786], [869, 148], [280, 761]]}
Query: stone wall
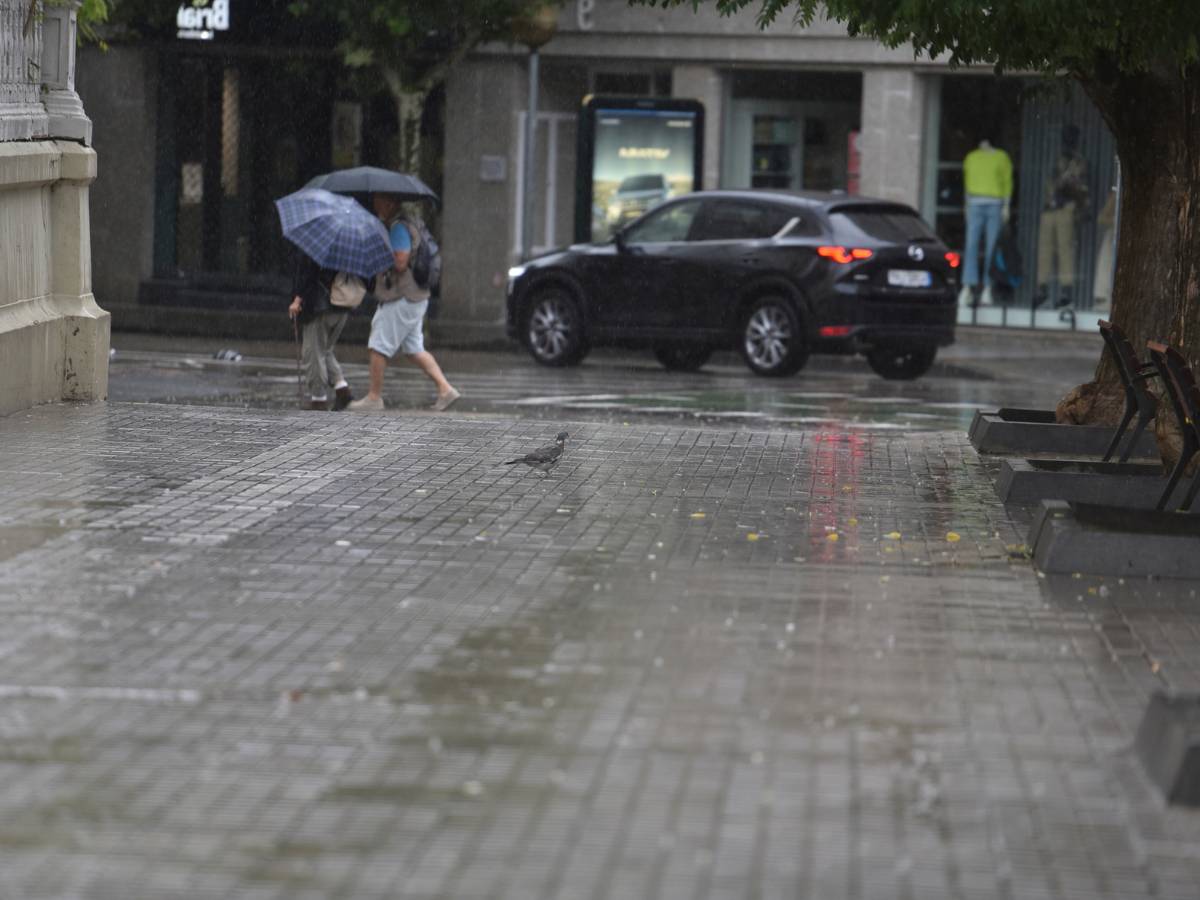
{"points": [[54, 339]]}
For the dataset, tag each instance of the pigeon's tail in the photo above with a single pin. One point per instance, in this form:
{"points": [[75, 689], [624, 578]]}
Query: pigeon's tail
{"points": [[513, 462]]}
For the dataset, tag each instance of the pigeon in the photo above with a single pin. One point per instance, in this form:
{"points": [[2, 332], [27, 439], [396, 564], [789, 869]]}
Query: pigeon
{"points": [[544, 458]]}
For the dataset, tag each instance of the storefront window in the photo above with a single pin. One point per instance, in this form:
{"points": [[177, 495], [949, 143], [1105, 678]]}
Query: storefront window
{"points": [[790, 130], [1024, 182]]}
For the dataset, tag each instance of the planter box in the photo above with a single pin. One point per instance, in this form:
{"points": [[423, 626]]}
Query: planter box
{"points": [[1027, 432], [1168, 747], [1029, 481], [1069, 538]]}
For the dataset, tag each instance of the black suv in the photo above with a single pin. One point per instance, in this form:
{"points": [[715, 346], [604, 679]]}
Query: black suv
{"points": [[777, 275]]}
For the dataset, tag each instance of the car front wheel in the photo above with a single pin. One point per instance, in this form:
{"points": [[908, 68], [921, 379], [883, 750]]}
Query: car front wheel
{"points": [[682, 357], [773, 341], [554, 328], [901, 363]]}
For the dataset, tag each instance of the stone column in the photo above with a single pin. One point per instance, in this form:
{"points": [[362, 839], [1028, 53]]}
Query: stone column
{"points": [[86, 327], [63, 106], [22, 116], [891, 140]]}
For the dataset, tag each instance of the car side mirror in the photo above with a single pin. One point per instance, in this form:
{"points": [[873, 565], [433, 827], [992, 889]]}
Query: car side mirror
{"points": [[619, 240]]}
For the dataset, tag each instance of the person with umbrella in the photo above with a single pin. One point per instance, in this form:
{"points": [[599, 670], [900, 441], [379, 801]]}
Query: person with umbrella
{"points": [[398, 324], [321, 325], [342, 246]]}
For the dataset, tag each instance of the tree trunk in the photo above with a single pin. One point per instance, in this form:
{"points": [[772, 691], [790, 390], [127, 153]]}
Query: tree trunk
{"points": [[410, 105], [1155, 118]]}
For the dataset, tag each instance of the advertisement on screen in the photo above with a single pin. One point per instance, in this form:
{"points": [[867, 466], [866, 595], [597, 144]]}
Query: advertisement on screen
{"points": [[634, 154]]}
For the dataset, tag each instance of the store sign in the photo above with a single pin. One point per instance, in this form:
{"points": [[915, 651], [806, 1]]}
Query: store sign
{"points": [[200, 20], [636, 153], [585, 14]]}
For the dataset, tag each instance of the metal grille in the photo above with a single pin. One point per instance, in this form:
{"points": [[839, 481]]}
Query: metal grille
{"points": [[1045, 114]]}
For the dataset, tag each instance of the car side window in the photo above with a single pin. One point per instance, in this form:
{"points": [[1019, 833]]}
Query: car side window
{"points": [[667, 225], [738, 220], [808, 226]]}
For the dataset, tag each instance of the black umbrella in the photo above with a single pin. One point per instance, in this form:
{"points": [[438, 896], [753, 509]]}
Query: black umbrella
{"points": [[371, 180]]}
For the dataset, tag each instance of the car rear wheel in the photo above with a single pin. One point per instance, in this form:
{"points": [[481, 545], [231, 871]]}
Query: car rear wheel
{"points": [[773, 341], [901, 363], [682, 357], [554, 328]]}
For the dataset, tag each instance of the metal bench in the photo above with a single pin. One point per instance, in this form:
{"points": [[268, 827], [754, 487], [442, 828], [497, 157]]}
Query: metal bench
{"points": [[1138, 400], [1184, 395]]}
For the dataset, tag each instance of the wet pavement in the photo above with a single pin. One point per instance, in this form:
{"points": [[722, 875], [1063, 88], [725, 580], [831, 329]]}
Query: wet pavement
{"points": [[259, 653], [986, 370]]}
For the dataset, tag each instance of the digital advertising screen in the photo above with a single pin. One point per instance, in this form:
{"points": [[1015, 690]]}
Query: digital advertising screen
{"points": [[634, 153]]}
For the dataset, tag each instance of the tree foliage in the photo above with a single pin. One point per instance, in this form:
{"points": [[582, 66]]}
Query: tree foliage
{"points": [[1076, 36], [414, 43]]}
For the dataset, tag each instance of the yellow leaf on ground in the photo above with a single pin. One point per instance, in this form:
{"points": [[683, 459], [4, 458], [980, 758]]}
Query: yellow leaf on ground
{"points": [[752, 536], [698, 515], [953, 537], [892, 535], [831, 537]]}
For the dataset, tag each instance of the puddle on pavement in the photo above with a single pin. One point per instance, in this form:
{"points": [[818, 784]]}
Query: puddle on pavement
{"points": [[18, 539]]}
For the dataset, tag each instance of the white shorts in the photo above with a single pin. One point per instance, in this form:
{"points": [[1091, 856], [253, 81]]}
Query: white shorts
{"points": [[396, 327]]}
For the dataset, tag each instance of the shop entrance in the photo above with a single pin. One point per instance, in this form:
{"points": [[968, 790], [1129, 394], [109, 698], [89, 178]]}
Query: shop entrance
{"points": [[235, 133]]}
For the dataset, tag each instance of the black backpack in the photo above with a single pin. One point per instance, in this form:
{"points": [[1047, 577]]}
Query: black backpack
{"points": [[426, 262]]}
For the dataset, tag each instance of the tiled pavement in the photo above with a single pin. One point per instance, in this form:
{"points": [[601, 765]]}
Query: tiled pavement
{"points": [[270, 655]]}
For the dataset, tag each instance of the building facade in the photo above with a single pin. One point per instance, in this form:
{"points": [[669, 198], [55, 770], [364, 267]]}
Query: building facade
{"points": [[785, 108], [53, 337], [203, 124], [201, 135]]}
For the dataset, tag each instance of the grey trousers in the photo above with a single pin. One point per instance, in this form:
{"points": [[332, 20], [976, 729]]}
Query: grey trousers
{"points": [[320, 365]]}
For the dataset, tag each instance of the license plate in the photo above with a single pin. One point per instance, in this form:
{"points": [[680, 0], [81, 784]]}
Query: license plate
{"points": [[909, 278]]}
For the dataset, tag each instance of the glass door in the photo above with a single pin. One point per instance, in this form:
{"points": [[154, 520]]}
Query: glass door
{"points": [[775, 154]]}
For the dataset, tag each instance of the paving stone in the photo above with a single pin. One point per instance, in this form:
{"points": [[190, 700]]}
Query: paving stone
{"points": [[261, 654]]}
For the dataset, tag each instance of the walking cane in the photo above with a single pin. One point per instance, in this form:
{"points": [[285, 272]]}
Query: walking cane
{"points": [[299, 375]]}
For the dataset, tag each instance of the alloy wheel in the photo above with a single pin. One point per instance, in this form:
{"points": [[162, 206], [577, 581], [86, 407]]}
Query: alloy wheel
{"points": [[551, 326], [768, 336]]}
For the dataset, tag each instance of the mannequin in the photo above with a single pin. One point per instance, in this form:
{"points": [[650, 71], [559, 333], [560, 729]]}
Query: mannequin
{"points": [[987, 183], [1065, 206]]}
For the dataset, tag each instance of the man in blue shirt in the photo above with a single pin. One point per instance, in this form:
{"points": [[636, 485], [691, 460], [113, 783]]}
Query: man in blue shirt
{"points": [[397, 324]]}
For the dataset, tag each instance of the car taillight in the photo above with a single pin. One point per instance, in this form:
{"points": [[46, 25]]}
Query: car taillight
{"points": [[835, 330], [843, 255], [954, 259]]}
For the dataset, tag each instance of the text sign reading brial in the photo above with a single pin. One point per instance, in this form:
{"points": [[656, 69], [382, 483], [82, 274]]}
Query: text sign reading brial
{"points": [[200, 20]]}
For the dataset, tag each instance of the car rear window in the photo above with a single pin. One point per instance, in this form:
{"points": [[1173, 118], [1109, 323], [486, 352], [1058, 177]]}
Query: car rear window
{"points": [[883, 223]]}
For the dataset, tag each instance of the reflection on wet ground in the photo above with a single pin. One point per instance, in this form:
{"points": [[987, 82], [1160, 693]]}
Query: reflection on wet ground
{"points": [[617, 387]]}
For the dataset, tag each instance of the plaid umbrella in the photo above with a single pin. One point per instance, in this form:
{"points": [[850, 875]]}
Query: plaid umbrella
{"points": [[336, 232], [372, 180]]}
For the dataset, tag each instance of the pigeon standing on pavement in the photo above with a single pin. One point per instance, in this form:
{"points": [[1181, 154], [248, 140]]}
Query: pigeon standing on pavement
{"points": [[544, 458]]}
